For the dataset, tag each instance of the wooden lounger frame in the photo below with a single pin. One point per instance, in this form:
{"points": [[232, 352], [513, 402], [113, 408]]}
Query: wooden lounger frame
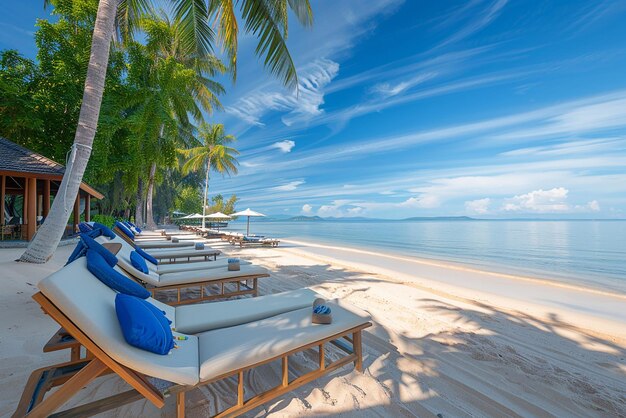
{"points": [[246, 285], [72, 376]]}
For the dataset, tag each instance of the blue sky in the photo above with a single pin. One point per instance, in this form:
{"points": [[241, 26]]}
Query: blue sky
{"points": [[492, 108]]}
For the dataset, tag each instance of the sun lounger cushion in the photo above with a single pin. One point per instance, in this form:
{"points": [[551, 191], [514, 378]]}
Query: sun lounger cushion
{"points": [[143, 325], [90, 305], [226, 349], [125, 230], [138, 262], [85, 243], [84, 227], [112, 278], [184, 277], [191, 319], [147, 256], [106, 231]]}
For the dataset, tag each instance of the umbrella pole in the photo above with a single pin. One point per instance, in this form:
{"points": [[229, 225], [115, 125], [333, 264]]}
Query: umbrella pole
{"points": [[248, 230]]}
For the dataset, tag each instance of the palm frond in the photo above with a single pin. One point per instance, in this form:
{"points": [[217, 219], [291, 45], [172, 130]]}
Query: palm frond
{"points": [[195, 32]]}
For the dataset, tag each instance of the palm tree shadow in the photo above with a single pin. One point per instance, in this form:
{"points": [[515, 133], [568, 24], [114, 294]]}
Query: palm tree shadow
{"points": [[477, 360]]}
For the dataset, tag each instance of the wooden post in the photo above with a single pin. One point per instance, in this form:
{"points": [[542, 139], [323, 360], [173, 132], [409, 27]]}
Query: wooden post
{"points": [[180, 405], [31, 214], [87, 208], [3, 184], [46, 198], [76, 216]]}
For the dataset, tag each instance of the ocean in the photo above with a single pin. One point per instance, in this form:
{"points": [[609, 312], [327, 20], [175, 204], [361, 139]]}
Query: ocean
{"points": [[589, 253]]}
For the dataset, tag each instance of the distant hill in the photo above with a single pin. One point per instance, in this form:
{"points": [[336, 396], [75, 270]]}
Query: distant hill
{"points": [[439, 218], [306, 218]]}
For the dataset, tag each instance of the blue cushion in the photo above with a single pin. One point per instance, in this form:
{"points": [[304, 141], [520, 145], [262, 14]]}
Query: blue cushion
{"points": [[138, 262], [85, 227], [112, 278], [125, 230], [143, 325], [105, 230], [87, 242], [92, 244], [146, 256], [78, 252]]}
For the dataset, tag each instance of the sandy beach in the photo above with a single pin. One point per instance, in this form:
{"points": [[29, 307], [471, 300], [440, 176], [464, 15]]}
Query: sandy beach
{"points": [[447, 341]]}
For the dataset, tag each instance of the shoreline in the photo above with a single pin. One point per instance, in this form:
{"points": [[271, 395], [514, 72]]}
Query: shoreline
{"points": [[464, 266], [597, 311]]}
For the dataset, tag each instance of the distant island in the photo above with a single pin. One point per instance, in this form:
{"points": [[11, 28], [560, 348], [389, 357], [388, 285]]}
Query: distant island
{"points": [[303, 218]]}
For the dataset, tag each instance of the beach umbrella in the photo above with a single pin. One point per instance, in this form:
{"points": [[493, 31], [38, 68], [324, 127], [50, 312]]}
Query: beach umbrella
{"points": [[249, 213], [217, 215]]}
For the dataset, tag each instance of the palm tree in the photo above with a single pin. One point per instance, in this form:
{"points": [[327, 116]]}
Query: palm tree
{"points": [[172, 84], [265, 19], [215, 151]]}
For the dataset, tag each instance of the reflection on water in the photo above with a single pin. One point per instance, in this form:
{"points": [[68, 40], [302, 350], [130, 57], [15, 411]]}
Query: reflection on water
{"points": [[590, 252]]}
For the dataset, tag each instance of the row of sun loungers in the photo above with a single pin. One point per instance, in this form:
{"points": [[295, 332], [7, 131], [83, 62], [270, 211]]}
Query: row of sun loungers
{"points": [[213, 341], [235, 238]]}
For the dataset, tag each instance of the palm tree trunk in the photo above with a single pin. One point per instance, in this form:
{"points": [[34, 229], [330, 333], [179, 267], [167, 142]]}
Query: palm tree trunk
{"points": [[139, 204], [206, 191], [149, 217], [47, 238]]}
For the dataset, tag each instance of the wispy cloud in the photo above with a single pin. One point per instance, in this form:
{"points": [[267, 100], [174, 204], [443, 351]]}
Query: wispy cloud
{"points": [[476, 21], [299, 106], [287, 187], [284, 146]]}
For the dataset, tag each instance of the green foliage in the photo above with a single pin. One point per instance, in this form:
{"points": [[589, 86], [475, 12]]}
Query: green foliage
{"points": [[189, 200], [107, 220], [218, 204]]}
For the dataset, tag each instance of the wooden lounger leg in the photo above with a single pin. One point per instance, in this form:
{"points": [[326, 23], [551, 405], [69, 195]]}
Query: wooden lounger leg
{"points": [[358, 351], [180, 405], [91, 371]]}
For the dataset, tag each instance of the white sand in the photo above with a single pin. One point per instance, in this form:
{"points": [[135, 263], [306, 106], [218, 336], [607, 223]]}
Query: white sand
{"points": [[447, 340]]}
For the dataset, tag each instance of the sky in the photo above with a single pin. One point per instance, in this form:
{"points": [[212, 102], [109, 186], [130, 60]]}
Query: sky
{"points": [[481, 108]]}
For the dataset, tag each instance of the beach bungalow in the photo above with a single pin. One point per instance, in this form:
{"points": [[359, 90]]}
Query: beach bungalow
{"points": [[28, 184]]}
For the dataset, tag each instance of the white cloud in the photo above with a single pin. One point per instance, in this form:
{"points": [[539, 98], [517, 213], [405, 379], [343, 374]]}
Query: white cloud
{"points": [[299, 106], [387, 89], [594, 206], [485, 17], [249, 164], [284, 146], [307, 209], [478, 206], [539, 201], [424, 201], [292, 185]]}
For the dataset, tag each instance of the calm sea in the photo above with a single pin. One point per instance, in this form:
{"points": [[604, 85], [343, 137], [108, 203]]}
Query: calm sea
{"points": [[584, 252]]}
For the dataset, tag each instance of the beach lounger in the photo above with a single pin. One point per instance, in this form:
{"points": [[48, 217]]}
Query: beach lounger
{"points": [[151, 244], [213, 283], [251, 240], [86, 311], [170, 255]]}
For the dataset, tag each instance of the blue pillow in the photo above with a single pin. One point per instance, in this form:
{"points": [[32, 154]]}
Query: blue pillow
{"points": [[125, 230], [159, 314], [138, 262], [146, 256], [143, 325], [112, 278], [87, 242], [92, 244], [105, 230], [78, 252], [84, 227]]}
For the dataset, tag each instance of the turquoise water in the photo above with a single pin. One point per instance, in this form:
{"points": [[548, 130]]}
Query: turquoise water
{"points": [[592, 253]]}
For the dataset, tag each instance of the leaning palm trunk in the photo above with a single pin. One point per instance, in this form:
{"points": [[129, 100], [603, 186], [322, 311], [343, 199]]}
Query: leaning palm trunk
{"points": [[45, 242], [206, 192], [149, 216], [139, 203]]}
